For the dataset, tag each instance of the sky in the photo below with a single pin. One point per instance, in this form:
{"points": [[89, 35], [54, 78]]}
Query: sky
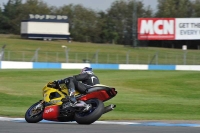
{"points": [[93, 4]]}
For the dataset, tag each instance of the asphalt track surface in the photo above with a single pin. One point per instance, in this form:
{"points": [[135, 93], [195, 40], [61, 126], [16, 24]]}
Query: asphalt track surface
{"points": [[20, 126]]}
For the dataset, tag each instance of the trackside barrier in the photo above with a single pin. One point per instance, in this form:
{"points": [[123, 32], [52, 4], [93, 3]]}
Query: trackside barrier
{"points": [[16, 65], [133, 67], [188, 67], [74, 65], [161, 67], [43, 65], [46, 65], [105, 66]]}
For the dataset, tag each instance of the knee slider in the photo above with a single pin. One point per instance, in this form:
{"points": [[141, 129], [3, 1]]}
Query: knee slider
{"points": [[68, 80]]}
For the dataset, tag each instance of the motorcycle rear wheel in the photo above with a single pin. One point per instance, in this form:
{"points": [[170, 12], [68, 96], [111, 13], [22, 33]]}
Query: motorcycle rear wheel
{"points": [[32, 115], [91, 115]]}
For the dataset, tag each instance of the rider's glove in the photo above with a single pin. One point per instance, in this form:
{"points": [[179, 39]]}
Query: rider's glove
{"points": [[56, 84]]}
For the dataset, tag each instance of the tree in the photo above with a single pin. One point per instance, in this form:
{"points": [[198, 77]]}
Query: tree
{"points": [[122, 19], [174, 8], [196, 8], [177, 9], [1, 18], [115, 25], [36, 7], [15, 11], [84, 23], [11, 13], [108, 32]]}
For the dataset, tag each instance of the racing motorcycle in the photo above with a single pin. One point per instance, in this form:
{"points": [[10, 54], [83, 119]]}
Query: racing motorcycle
{"points": [[56, 107]]}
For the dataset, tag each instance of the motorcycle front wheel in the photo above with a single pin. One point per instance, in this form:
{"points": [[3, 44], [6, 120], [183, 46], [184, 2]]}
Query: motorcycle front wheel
{"points": [[35, 113], [93, 114]]}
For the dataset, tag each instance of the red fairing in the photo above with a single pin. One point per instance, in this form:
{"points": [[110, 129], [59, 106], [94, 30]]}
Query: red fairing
{"points": [[51, 112], [101, 95]]}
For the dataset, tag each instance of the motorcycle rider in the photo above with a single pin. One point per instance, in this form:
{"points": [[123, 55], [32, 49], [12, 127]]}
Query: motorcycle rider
{"points": [[81, 82]]}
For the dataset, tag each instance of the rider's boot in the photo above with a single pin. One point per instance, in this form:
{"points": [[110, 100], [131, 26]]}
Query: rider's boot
{"points": [[71, 94], [73, 100], [72, 97], [70, 100]]}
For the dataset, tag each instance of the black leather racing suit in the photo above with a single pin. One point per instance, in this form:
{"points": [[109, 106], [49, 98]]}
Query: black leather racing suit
{"points": [[82, 82]]}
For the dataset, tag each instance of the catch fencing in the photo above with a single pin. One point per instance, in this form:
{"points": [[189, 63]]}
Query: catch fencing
{"points": [[157, 58]]}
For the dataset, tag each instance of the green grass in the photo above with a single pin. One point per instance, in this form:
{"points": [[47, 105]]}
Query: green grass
{"points": [[142, 95], [52, 51]]}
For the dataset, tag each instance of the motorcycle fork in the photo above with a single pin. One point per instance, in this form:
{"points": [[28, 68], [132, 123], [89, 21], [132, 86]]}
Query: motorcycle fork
{"points": [[39, 105]]}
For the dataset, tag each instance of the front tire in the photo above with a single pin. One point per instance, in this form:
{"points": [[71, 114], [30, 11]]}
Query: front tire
{"points": [[34, 115], [91, 115]]}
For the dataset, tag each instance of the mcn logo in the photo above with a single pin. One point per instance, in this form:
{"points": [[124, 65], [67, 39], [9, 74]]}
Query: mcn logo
{"points": [[156, 29]]}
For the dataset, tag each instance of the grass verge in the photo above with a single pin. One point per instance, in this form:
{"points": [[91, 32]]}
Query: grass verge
{"points": [[142, 95]]}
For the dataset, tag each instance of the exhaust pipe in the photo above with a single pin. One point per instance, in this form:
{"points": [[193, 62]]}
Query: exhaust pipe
{"points": [[109, 108]]}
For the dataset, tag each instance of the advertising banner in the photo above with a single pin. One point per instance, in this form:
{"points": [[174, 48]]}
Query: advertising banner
{"points": [[187, 28], [168, 28], [156, 29]]}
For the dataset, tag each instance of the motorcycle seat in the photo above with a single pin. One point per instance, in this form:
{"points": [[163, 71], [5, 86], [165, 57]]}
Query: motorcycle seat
{"points": [[97, 87]]}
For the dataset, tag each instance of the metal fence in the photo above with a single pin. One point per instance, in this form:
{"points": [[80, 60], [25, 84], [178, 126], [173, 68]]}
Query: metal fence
{"points": [[182, 58]]}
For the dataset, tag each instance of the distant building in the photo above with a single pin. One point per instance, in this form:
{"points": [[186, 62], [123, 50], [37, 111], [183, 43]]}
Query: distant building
{"points": [[46, 27]]}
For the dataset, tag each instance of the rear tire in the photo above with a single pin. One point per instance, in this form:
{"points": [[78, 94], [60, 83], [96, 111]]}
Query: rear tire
{"points": [[91, 115], [32, 117]]}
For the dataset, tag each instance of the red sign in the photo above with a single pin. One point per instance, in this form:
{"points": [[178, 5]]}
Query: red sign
{"points": [[156, 28]]}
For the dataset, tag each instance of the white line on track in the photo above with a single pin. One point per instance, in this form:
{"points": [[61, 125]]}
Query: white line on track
{"points": [[110, 122], [45, 121]]}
